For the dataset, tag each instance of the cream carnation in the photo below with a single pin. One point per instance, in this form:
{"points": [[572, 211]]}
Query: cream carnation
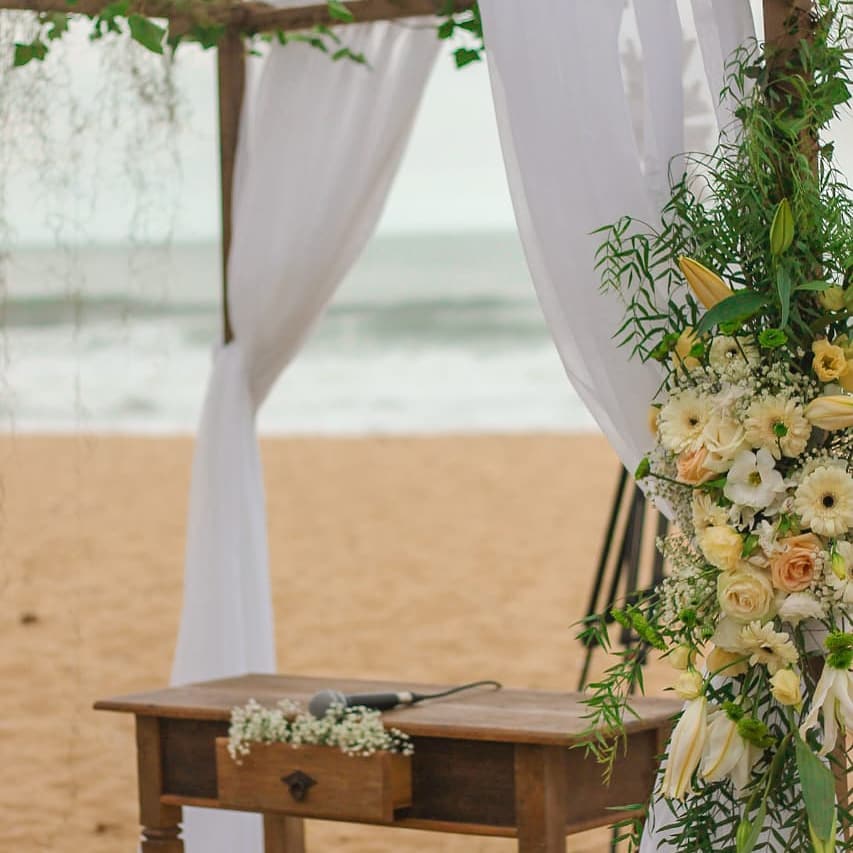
{"points": [[722, 547], [706, 512], [799, 606], [778, 425], [682, 421], [824, 501]]}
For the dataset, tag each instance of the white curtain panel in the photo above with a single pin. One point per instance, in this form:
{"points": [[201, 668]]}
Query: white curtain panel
{"points": [[319, 147], [573, 164]]}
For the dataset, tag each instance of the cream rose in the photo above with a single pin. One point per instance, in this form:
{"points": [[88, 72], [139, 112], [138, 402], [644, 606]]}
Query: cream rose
{"points": [[724, 438], [786, 687], [690, 467], [793, 568], [829, 361], [722, 546], [746, 594]]}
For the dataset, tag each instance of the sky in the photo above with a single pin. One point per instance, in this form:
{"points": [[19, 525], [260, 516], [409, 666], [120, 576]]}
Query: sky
{"points": [[454, 153]]}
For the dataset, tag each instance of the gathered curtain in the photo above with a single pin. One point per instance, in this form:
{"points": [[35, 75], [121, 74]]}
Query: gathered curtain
{"points": [[320, 143], [574, 164]]}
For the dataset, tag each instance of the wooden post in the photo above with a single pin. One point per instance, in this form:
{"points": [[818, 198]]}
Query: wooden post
{"points": [[541, 798], [161, 825], [231, 60], [283, 834]]}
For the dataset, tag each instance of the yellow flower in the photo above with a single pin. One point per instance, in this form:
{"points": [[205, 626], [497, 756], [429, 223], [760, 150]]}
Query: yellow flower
{"points": [[681, 357], [829, 361], [708, 286], [786, 687], [723, 662], [690, 685], [832, 299], [831, 412], [722, 546]]}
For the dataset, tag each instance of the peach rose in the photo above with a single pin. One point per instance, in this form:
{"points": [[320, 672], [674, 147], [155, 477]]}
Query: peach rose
{"points": [[691, 467], [793, 569]]}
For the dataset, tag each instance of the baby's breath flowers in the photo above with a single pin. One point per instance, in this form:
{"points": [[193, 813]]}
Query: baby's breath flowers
{"points": [[355, 731]]}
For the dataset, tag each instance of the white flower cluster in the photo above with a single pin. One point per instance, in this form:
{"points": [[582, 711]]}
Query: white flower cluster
{"points": [[355, 731]]}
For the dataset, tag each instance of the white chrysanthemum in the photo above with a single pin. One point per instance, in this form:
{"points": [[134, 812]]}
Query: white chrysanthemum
{"points": [[682, 421], [753, 480], [767, 418], [767, 646], [706, 512], [824, 501], [732, 355]]}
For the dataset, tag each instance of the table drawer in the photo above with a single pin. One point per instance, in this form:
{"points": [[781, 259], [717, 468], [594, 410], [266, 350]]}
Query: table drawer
{"points": [[314, 781]]}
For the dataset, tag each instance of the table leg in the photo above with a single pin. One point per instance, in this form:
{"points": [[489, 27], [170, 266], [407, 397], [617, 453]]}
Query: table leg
{"points": [[161, 825], [541, 798], [283, 834]]}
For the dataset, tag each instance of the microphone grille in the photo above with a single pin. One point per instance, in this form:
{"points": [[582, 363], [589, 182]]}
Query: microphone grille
{"points": [[322, 701]]}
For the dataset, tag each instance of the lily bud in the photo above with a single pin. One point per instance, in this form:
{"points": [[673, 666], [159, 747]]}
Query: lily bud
{"points": [[839, 566], [831, 413], [708, 287], [685, 749]]}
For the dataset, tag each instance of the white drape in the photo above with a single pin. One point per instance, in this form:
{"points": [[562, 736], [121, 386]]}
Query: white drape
{"points": [[573, 165], [320, 144]]}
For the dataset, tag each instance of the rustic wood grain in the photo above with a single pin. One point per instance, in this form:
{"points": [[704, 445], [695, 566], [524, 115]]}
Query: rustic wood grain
{"points": [[345, 787], [231, 66], [161, 828], [283, 834], [541, 798], [508, 715]]}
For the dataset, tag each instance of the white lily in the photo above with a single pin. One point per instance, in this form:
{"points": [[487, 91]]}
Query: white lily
{"points": [[834, 696], [726, 753], [685, 749]]}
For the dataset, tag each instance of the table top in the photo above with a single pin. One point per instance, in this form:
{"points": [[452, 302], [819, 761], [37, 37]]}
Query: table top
{"points": [[506, 715]]}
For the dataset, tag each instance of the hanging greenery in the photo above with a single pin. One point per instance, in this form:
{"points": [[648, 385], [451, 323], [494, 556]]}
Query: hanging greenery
{"points": [[202, 24]]}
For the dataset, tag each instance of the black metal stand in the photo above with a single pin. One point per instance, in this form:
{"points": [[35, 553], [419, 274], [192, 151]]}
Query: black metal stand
{"points": [[619, 579]]}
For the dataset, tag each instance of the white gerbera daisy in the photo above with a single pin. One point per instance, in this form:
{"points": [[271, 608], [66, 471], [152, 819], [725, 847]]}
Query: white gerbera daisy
{"points": [[732, 355], [824, 501], [682, 421], [753, 480], [767, 646], [777, 424]]}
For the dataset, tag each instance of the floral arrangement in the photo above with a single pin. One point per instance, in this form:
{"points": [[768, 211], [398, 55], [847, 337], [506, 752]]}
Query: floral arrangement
{"points": [[355, 731], [753, 456]]}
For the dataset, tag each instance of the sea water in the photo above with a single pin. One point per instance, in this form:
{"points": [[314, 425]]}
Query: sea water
{"points": [[428, 333]]}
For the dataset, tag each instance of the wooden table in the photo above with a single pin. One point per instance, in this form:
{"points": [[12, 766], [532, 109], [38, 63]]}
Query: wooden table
{"points": [[485, 763]]}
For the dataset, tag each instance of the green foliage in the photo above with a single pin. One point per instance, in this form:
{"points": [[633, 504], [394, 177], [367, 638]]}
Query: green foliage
{"points": [[206, 30], [767, 210]]}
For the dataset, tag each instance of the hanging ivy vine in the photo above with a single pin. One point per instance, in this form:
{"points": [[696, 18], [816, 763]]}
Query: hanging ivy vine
{"points": [[202, 24]]}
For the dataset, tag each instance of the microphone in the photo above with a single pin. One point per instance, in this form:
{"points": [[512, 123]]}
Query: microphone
{"points": [[325, 699]]}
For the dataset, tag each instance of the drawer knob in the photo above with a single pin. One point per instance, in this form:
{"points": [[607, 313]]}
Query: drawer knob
{"points": [[298, 783]]}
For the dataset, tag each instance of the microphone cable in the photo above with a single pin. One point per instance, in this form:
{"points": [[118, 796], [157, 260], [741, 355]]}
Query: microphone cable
{"points": [[419, 697]]}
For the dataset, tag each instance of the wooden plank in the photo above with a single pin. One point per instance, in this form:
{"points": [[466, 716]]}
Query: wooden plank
{"points": [[283, 834], [231, 63], [508, 716], [161, 828], [541, 798], [248, 16], [189, 760]]}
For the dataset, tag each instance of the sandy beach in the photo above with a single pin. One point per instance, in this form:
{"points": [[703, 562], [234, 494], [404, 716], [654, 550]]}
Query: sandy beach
{"points": [[484, 548]]}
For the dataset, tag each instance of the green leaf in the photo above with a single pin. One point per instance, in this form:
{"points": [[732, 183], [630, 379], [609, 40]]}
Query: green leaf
{"points": [[750, 543], [738, 307], [643, 469], [782, 228], [783, 289], [813, 286], [465, 56], [445, 30], [147, 33], [772, 338], [748, 831], [23, 54], [339, 12], [818, 788]]}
